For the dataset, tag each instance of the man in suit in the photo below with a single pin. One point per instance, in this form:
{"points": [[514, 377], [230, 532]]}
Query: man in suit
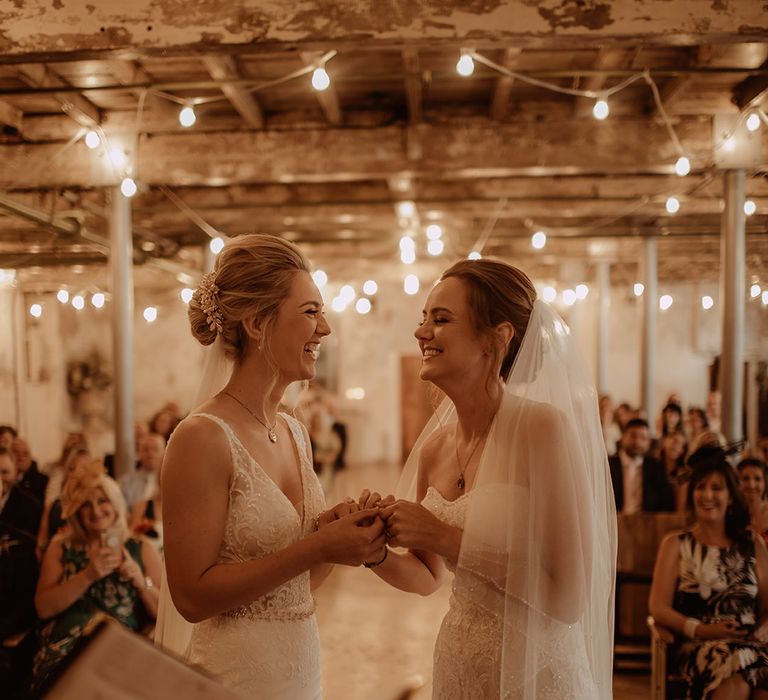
{"points": [[639, 481], [30, 479]]}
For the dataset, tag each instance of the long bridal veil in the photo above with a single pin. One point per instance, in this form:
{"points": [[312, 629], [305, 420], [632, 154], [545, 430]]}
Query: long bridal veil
{"points": [[539, 543], [172, 631]]}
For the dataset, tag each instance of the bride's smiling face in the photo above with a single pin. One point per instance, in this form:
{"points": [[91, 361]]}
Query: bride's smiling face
{"points": [[452, 350]]}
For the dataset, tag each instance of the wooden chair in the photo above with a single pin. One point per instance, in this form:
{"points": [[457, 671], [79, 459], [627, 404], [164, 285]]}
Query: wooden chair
{"points": [[666, 684]]}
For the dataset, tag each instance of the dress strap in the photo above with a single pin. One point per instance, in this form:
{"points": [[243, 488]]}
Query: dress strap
{"points": [[234, 441], [298, 435]]}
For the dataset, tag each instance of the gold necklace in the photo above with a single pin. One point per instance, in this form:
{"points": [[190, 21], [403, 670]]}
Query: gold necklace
{"points": [[460, 481], [270, 431]]}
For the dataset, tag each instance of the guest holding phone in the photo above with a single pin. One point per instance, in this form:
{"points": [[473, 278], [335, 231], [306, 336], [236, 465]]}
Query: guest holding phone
{"points": [[93, 567]]}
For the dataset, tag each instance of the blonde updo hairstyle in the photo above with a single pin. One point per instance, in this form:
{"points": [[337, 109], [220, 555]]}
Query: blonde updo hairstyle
{"points": [[497, 293], [82, 482], [253, 275]]}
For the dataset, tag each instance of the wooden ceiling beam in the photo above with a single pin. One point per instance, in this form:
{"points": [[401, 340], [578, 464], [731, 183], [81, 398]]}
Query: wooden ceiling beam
{"points": [[503, 87], [412, 84], [10, 115], [74, 105], [607, 59], [226, 68]]}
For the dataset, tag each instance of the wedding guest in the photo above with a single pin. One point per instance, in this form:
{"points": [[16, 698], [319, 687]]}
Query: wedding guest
{"points": [[672, 459], [140, 483], [7, 434], [19, 509], [30, 478], [752, 479], [611, 430]]}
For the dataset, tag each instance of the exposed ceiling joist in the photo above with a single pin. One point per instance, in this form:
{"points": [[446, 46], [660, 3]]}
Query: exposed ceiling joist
{"points": [[503, 89], [226, 68], [73, 105]]}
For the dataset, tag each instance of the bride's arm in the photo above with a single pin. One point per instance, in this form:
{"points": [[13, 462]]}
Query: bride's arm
{"points": [[196, 475]]}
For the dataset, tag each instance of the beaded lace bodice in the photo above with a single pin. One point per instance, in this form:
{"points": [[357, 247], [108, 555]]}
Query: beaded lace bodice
{"points": [[262, 520]]}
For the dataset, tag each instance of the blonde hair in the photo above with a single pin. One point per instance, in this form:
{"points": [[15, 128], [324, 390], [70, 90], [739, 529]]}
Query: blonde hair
{"points": [[82, 482], [252, 276]]}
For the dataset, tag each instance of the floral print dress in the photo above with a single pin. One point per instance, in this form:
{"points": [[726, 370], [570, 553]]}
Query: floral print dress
{"points": [[110, 595], [718, 584]]}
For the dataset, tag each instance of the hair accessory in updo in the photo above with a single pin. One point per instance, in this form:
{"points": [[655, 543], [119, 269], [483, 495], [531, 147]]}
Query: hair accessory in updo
{"points": [[79, 484], [209, 302]]}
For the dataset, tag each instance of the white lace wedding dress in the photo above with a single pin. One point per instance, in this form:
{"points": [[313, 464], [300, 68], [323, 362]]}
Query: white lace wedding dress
{"points": [[468, 650], [270, 648]]}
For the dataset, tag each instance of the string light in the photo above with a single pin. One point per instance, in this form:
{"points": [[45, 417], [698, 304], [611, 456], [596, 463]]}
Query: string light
{"points": [[435, 247], [320, 79], [549, 294], [216, 245], [117, 156], [150, 314], [682, 166], [601, 110], [434, 232], [356, 393], [638, 289], [569, 297], [411, 284], [753, 121], [338, 304], [78, 302], [707, 302], [465, 65], [98, 300], [370, 287], [406, 209], [36, 310], [729, 144], [363, 306], [186, 295], [539, 240], [673, 205], [582, 290], [407, 250], [128, 187], [754, 291], [474, 255], [765, 298], [665, 302], [63, 296], [347, 294], [750, 207], [92, 140], [320, 278], [187, 116]]}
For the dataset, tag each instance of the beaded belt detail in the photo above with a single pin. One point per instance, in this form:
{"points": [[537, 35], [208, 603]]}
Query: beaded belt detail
{"points": [[257, 611]]}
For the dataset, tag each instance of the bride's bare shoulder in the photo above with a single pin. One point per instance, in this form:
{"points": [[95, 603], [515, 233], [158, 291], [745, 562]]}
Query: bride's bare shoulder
{"points": [[197, 443]]}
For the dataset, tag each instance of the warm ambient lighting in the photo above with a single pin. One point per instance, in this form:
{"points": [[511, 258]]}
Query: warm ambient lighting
{"points": [[356, 393], [347, 294], [186, 295], [406, 209], [601, 110], [92, 140], [78, 302], [569, 297], [370, 287], [187, 116], [320, 278], [750, 207], [665, 302], [753, 121], [465, 65], [754, 291], [338, 304], [673, 205], [682, 166], [549, 294], [150, 314], [98, 300], [216, 245], [411, 284], [638, 289], [36, 310], [128, 187], [765, 298], [474, 255], [707, 302], [434, 232], [363, 306], [582, 291], [117, 157], [729, 144], [63, 296], [320, 79], [539, 240], [435, 247]]}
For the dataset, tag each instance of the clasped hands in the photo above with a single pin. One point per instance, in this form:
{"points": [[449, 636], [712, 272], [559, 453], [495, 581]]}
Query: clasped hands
{"points": [[396, 523]]}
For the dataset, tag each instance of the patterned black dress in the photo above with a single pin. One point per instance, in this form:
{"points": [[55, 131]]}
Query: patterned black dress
{"points": [[718, 584]]}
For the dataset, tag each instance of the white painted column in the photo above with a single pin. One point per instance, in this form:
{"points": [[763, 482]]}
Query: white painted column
{"points": [[121, 263], [732, 254], [604, 302], [648, 344]]}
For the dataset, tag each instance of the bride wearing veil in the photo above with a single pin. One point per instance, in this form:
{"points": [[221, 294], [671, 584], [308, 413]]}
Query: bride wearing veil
{"points": [[508, 487]]}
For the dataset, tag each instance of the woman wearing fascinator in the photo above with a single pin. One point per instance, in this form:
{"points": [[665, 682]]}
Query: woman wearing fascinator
{"points": [[245, 534], [508, 487]]}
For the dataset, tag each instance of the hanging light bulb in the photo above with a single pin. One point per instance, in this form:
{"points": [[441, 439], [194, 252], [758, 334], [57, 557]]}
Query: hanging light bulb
{"points": [[36, 310], [474, 255], [98, 299], [707, 302], [582, 290], [569, 297], [117, 156], [363, 306], [434, 232], [186, 295], [216, 245], [682, 166], [338, 304], [601, 109], [673, 205], [466, 65], [320, 278], [411, 284], [549, 294], [729, 144], [753, 121], [347, 293], [78, 302], [370, 287], [765, 298], [128, 187], [63, 296], [638, 289], [754, 291], [320, 79], [92, 140], [665, 302], [539, 240], [750, 207], [435, 247], [187, 116]]}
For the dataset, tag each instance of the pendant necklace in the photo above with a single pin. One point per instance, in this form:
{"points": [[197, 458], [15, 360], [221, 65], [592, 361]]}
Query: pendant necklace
{"points": [[460, 481], [270, 431]]}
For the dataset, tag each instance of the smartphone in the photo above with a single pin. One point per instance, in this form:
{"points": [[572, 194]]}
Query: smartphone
{"points": [[110, 538]]}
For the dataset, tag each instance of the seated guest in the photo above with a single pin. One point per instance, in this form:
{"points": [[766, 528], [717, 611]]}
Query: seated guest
{"points": [[95, 567], [325, 444], [140, 483], [611, 430], [710, 587], [672, 460], [19, 509], [752, 479], [671, 419], [30, 477], [56, 470], [7, 434], [140, 431], [164, 422], [639, 481]]}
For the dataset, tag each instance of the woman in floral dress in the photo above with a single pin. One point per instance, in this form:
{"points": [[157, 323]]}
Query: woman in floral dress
{"points": [[94, 568], [710, 586]]}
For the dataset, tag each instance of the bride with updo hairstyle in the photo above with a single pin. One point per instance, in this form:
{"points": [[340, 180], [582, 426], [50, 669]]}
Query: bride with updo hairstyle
{"points": [[246, 536]]}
